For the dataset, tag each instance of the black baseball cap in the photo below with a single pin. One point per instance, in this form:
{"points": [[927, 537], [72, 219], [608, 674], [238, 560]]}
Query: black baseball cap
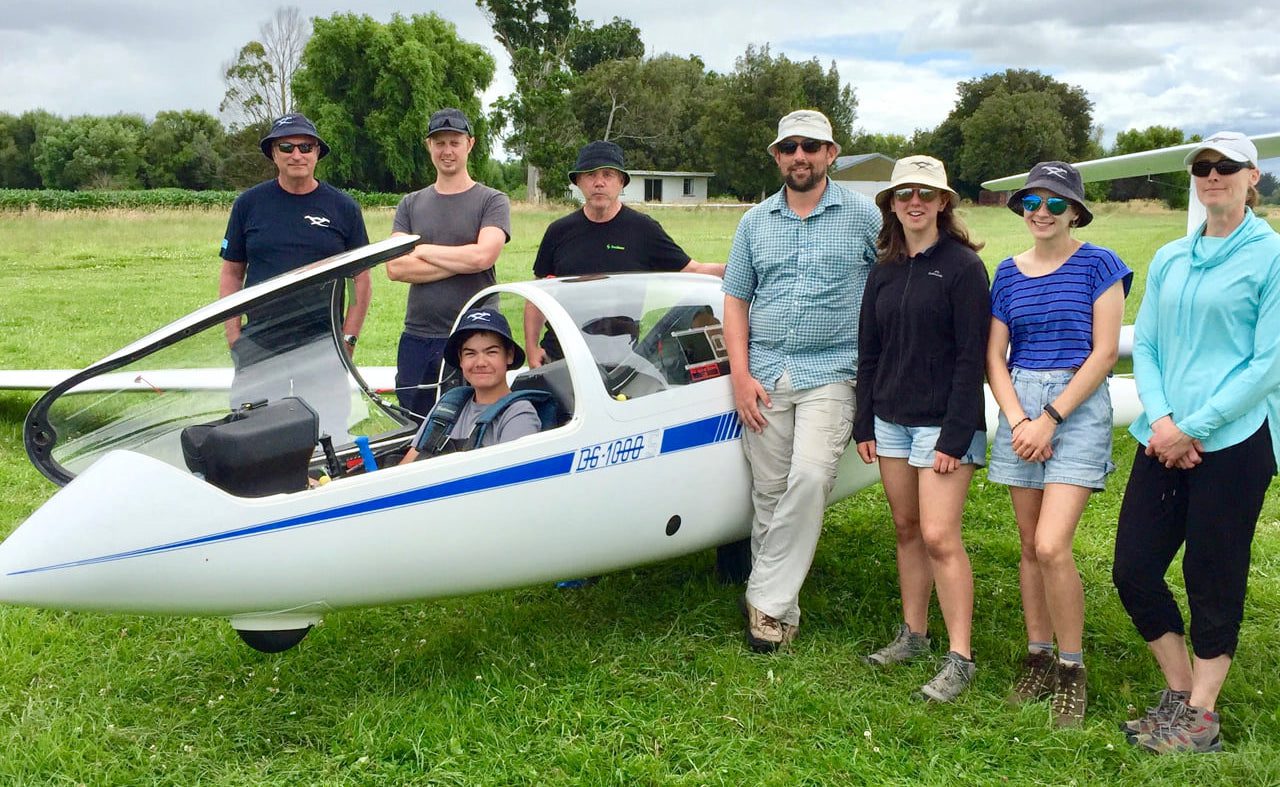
{"points": [[449, 119], [293, 124], [484, 319]]}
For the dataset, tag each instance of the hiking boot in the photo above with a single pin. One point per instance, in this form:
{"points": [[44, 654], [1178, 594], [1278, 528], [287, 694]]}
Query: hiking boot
{"points": [[1192, 729], [1038, 679], [954, 677], [906, 645], [1162, 713], [765, 633], [1070, 696]]}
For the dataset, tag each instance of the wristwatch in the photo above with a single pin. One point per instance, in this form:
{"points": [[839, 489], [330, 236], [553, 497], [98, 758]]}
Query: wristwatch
{"points": [[350, 338]]}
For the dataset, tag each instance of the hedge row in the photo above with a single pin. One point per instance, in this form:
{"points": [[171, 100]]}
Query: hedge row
{"points": [[152, 199]]}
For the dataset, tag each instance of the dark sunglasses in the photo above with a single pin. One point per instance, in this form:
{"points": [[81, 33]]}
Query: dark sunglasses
{"points": [[303, 147], [1057, 205], [788, 146], [926, 195], [448, 124], [1201, 169]]}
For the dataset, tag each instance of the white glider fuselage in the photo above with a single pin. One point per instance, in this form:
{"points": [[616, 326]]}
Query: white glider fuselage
{"points": [[646, 468]]}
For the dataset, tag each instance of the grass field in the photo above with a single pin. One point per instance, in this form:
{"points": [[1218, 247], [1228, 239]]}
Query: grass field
{"points": [[641, 679]]}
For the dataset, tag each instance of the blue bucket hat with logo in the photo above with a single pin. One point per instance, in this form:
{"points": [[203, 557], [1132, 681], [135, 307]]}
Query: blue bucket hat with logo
{"points": [[293, 124], [1062, 179], [483, 319]]}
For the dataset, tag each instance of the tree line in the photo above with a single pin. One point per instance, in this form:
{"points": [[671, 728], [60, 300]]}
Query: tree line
{"points": [[370, 87]]}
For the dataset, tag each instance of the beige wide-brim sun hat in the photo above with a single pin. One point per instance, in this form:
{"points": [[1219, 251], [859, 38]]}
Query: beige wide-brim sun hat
{"points": [[924, 171], [808, 123]]}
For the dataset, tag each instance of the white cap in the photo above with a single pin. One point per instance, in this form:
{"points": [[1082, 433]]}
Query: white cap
{"points": [[1232, 144], [805, 123]]}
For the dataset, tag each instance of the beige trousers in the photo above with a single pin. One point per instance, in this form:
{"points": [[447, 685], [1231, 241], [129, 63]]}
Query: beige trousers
{"points": [[793, 467]]}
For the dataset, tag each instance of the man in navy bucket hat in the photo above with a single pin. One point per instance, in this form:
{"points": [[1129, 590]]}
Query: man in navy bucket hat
{"points": [[295, 124], [287, 222]]}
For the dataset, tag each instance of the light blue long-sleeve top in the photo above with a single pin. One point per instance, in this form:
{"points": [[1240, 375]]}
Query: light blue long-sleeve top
{"points": [[1207, 340]]}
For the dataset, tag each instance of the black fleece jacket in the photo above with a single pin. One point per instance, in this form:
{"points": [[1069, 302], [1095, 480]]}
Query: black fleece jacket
{"points": [[922, 345]]}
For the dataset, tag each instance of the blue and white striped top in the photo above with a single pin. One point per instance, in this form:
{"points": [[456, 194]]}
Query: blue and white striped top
{"points": [[1050, 317]]}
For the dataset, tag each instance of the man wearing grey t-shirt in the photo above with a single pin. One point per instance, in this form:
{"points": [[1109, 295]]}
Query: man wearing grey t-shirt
{"points": [[464, 226]]}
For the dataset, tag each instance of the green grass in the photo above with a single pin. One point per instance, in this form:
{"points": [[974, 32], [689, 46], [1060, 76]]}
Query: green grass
{"points": [[640, 679]]}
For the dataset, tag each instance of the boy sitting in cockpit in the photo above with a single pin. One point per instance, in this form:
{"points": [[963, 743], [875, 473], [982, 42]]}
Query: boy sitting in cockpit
{"points": [[483, 349]]}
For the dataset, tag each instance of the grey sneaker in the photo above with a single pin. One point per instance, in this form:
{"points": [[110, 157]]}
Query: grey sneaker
{"points": [[1162, 713], [954, 677], [1038, 679], [1192, 730], [765, 634], [1070, 696], [906, 645]]}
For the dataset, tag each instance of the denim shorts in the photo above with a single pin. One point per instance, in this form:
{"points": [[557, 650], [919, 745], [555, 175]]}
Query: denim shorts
{"points": [[1081, 443], [916, 443]]}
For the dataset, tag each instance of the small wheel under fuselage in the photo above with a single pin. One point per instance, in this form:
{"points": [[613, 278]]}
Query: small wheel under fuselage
{"points": [[276, 641]]}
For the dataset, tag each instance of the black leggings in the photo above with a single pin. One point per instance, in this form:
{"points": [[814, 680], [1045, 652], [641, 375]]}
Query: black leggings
{"points": [[1214, 508]]}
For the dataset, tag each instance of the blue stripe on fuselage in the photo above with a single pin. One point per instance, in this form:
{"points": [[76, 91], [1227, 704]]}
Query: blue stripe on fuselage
{"points": [[536, 470], [695, 434], [705, 431]]}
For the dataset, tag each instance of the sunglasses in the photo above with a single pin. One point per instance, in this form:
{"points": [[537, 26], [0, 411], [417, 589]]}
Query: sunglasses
{"points": [[925, 195], [1057, 205], [788, 146], [448, 124], [302, 147], [1201, 169]]}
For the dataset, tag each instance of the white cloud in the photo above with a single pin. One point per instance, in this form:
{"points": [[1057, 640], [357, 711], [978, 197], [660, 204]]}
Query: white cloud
{"points": [[1142, 62]]}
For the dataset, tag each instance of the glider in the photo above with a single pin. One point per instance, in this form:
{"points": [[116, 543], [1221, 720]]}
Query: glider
{"points": [[641, 463]]}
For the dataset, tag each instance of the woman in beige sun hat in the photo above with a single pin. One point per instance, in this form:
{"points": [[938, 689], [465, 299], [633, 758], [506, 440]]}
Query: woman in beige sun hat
{"points": [[920, 407]]}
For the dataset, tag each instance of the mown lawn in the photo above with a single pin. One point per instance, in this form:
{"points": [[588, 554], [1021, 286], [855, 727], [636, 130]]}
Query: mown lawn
{"points": [[642, 678]]}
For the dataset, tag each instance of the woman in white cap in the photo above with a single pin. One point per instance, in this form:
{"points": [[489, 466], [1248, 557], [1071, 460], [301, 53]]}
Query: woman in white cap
{"points": [[1056, 310], [919, 413], [1206, 358]]}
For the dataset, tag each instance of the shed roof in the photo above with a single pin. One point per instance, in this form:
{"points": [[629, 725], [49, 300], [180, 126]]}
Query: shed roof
{"points": [[863, 166]]}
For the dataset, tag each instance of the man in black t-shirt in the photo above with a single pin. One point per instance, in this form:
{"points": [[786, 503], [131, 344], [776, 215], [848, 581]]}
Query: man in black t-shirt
{"points": [[605, 236]]}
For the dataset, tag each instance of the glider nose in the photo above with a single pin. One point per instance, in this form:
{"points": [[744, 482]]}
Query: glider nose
{"points": [[14, 588]]}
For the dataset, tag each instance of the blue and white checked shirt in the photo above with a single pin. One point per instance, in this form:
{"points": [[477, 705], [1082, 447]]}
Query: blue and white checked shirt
{"points": [[804, 280]]}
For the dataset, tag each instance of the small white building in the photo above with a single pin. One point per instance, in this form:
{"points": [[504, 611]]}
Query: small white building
{"points": [[666, 188], [866, 173]]}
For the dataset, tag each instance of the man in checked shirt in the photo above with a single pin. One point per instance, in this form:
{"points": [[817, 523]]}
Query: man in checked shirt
{"points": [[793, 292]]}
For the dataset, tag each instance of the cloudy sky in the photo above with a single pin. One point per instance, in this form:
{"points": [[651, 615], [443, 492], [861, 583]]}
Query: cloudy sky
{"points": [[1197, 66]]}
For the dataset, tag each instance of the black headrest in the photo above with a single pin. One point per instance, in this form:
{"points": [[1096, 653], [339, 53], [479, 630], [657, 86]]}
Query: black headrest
{"points": [[550, 377]]}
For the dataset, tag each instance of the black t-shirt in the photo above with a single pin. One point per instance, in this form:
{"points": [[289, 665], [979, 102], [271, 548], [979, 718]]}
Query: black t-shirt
{"points": [[630, 242], [273, 231]]}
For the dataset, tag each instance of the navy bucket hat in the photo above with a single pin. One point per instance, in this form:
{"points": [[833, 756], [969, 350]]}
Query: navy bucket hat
{"points": [[293, 124], [599, 155], [1062, 179], [484, 319]]}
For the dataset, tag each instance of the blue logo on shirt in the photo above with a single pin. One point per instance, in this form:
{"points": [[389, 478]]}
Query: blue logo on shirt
{"points": [[225, 244]]}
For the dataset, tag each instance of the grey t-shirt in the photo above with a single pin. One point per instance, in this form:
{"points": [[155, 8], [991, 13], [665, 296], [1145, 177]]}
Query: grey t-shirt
{"points": [[518, 420], [448, 220]]}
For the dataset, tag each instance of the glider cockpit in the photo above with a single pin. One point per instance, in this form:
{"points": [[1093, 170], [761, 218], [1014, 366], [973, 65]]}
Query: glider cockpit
{"points": [[639, 336]]}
